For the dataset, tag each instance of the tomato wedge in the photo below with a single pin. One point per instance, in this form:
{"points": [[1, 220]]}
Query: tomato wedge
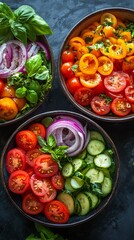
{"points": [[19, 181], [121, 107], [56, 211], [116, 82], [100, 105], [26, 139], [45, 166], [31, 155], [38, 129], [31, 204], [15, 160], [83, 96]]}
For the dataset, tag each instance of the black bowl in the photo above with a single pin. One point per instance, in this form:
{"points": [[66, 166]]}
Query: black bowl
{"points": [[44, 40], [121, 13], [73, 220]]}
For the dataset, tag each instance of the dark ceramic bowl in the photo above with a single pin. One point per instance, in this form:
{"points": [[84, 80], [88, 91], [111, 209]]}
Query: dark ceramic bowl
{"points": [[73, 220], [121, 13], [44, 40]]}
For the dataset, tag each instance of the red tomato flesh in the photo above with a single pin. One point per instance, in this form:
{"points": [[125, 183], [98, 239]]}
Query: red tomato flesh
{"points": [[19, 181], [31, 204], [15, 160]]}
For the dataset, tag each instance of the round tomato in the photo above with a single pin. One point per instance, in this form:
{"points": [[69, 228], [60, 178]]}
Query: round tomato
{"points": [[45, 166], [73, 84], [83, 96], [100, 105], [88, 64], [8, 91], [26, 139], [31, 204], [1, 86], [66, 70], [129, 93], [20, 102], [38, 129], [50, 191], [56, 211], [67, 56], [58, 181], [116, 82], [31, 155], [121, 107], [19, 181], [15, 160], [90, 81]]}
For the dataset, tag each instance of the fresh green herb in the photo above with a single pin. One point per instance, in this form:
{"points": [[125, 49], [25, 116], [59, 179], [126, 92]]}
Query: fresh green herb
{"points": [[130, 28], [95, 46], [47, 121], [23, 24], [107, 23], [96, 188], [74, 67], [107, 99]]}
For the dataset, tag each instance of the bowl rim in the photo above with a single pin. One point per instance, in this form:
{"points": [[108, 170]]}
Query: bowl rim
{"points": [[106, 118], [23, 117], [84, 118]]}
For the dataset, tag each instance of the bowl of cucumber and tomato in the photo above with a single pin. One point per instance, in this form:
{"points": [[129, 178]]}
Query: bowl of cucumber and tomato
{"points": [[96, 65], [26, 63], [60, 168]]}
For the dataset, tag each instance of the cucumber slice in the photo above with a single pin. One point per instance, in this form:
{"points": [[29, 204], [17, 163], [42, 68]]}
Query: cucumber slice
{"points": [[76, 182], [96, 135], [102, 160], [95, 147], [94, 199], [106, 186], [68, 185], [89, 159], [95, 175], [67, 199], [83, 154], [77, 207], [78, 164], [67, 170], [85, 203]]}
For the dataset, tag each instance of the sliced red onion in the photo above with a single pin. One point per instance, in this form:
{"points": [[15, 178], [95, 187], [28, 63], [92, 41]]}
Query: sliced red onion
{"points": [[32, 49], [45, 49]]}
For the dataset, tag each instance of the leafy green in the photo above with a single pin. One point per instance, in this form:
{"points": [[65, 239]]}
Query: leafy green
{"points": [[47, 121], [130, 28], [33, 64], [96, 188], [23, 24]]}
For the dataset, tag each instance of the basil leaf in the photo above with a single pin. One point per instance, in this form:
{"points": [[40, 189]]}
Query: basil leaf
{"points": [[32, 96], [42, 73], [33, 64], [47, 121], [4, 22], [19, 32], [51, 141], [41, 141], [21, 92], [40, 25], [24, 13], [31, 35], [5, 35], [5, 9]]}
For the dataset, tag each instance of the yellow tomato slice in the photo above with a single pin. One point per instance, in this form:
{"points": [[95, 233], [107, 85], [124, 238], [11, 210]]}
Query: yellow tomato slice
{"points": [[90, 81], [130, 48], [128, 63], [77, 40], [105, 65], [88, 64], [108, 19], [118, 50]]}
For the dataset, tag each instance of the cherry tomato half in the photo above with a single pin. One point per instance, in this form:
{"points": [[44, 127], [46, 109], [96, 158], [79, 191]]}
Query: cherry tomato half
{"points": [[31, 155], [129, 93], [19, 181], [90, 81], [116, 82], [100, 105], [31, 204], [15, 160], [26, 139], [83, 96], [38, 129], [58, 181], [120, 107], [56, 211]]}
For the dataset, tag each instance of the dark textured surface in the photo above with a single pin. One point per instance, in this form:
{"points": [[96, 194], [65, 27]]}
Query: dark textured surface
{"points": [[117, 220]]}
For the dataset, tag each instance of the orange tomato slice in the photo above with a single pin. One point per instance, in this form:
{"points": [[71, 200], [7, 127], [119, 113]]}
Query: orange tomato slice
{"points": [[108, 19], [105, 65], [128, 64], [90, 81], [118, 50], [88, 64], [77, 40]]}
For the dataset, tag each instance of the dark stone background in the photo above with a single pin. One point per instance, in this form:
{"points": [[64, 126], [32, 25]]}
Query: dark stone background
{"points": [[117, 220]]}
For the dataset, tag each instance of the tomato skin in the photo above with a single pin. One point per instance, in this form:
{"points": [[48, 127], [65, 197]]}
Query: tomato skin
{"points": [[26, 139], [1, 86], [38, 129], [116, 82], [120, 107], [67, 56], [66, 70], [31, 204], [115, 95], [56, 211], [45, 166], [73, 84], [83, 96], [100, 105], [19, 181], [58, 181], [50, 191], [100, 88], [31, 155], [129, 93], [15, 160]]}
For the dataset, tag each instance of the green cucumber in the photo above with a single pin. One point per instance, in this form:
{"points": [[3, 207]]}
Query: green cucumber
{"points": [[95, 147], [94, 199], [106, 186], [78, 164], [67, 170], [96, 135], [68, 200], [76, 182], [102, 160], [95, 175], [85, 203], [68, 185]]}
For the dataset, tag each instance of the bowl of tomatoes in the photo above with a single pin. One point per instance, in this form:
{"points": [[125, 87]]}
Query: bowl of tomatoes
{"points": [[60, 168], [26, 64], [96, 65]]}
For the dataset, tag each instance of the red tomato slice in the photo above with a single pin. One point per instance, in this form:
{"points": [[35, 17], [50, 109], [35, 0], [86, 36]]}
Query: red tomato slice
{"points": [[116, 82], [15, 160], [56, 211], [83, 96], [2, 85], [121, 107], [129, 93], [73, 84], [115, 95], [100, 88], [58, 181], [26, 140], [50, 191], [19, 181], [38, 129], [45, 166], [31, 204], [31, 155], [100, 105]]}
